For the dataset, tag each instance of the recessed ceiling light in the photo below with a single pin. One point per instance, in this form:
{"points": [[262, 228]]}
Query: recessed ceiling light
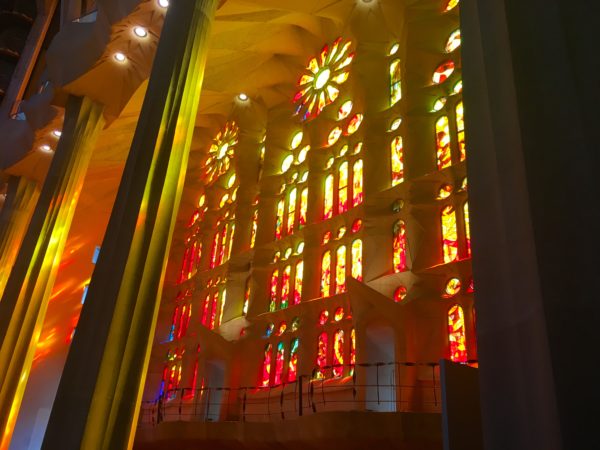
{"points": [[57, 133], [140, 32], [243, 97], [120, 57], [163, 3], [45, 148]]}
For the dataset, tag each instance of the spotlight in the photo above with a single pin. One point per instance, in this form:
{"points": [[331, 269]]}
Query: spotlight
{"points": [[140, 32], [242, 97], [120, 57], [57, 133], [163, 3], [45, 148]]}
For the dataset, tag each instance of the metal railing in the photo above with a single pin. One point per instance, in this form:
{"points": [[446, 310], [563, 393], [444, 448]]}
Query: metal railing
{"points": [[377, 387]]}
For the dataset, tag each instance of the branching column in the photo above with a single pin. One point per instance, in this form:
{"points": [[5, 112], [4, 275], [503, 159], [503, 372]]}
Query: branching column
{"points": [[25, 299], [20, 201], [98, 398]]}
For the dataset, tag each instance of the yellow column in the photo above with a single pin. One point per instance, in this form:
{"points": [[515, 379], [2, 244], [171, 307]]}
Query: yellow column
{"points": [[97, 402], [21, 198], [25, 299]]}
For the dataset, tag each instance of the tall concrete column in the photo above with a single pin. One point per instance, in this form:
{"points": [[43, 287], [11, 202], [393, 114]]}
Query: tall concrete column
{"points": [[97, 402], [20, 202], [531, 97], [25, 300]]}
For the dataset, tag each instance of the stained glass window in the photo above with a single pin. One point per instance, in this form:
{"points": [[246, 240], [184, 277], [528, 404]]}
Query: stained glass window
{"points": [[274, 290], [357, 264], [443, 72], [215, 249], [345, 109], [230, 239], [254, 228], [467, 228], [449, 5], [279, 363], [343, 188], [291, 219], [352, 350], [223, 246], [442, 134], [246, 297], [460, 128], [456, 334], [214, 311], [340, 269], [354, 124], [397, 161], [395, 82], [328, 198], [285, 286], [220, 153], [303, 207], [452, 288], [338, 353], [453, 41], [279, 220], [206, 311], [400, 294], [357, 183], [299, 273], [321, 355], [266, 367], [326, 274], [319, 85], [449, 234], [293, 363], [399, 246]]}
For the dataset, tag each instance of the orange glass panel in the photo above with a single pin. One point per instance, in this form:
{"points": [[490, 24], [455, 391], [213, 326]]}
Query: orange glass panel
{"points": [[467, 228], [357, 264], [338, 353], [340, 269], [456, 334], [460, 128], [254, 228], [343, 188], [303, 207], [291, 216], [328, 198], [285, 286], [399, 246], [443, 72], [299, 273], [326, 274], [357, 183], [321, 355], [449, 234], [397, 161], [274, 290], [442, 136]]}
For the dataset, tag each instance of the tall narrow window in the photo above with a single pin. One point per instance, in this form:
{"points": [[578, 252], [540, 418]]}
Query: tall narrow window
{"points": [[254, 228], [215, 249], [326, 274], [174, 323], [293, 363], [397, 161], [357, 183], [467, 228], [460, 128], [246, 297], [321, 355], [303, 207], [340, 269], [399, 246], [328, 198], [279, 222], [230, 240], [285, 287], [442, 135], [223, 246], [273, 291], [291, 217], [352, 350], [456, 334], [214, 310], [338, 353], [206, 311], [343, 188], [298, 275], [357, 264], [449, 234], [279, 363], [395, 82], [266, 367]]}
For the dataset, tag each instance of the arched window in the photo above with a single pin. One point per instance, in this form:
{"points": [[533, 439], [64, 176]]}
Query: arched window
{"points": [[340, 270], [395, 82], [266, 367], [397, 161], [326, 274], [285, 287], [357, 183], [449, 234], [298, 282], [274, 290], [442, 136], [338, 353], [291, 217], [303, 207], [279, 363], [279, 219], [399, 246], [467, 228], [460, 129], [456, 334], [321, 355], [357, 265], [293, 363], [328, 198], [343, 187]]}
